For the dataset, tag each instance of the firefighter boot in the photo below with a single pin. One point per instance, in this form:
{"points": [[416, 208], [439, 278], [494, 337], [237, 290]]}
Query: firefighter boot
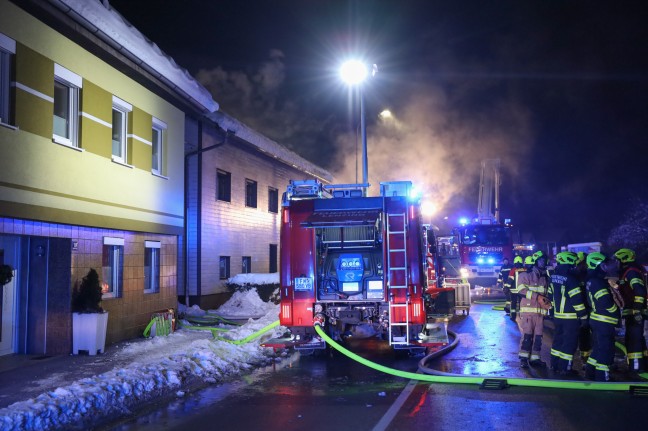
{"points": [[524, 363], [513, 315]]}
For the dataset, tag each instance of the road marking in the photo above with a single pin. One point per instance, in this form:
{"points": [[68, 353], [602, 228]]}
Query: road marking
{"points": [[395, 407]]}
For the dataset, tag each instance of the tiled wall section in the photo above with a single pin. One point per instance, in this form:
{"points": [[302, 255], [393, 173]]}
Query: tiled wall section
{"points": [[130, 313]]}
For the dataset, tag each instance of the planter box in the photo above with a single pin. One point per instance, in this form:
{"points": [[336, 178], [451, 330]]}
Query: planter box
{"points": [[89, 332]]}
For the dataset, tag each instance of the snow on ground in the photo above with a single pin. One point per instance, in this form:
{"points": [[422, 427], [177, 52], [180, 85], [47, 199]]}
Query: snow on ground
{"points": [[160, 365]]}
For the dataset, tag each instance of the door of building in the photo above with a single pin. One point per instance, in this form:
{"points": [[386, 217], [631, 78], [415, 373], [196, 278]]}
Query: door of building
{"points": [[7, 315]]}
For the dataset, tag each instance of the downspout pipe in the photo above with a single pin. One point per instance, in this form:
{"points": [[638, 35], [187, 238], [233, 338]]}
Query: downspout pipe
{"points": [[199, 151]]}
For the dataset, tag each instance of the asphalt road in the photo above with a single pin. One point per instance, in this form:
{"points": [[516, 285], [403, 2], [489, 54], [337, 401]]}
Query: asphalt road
{"points": [[335, 393]]}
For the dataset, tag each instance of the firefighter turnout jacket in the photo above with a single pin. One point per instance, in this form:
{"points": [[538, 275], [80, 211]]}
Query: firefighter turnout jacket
{"points": [[635, 300], [604, 317], [533, 288], [569, 315], [566, 294]]}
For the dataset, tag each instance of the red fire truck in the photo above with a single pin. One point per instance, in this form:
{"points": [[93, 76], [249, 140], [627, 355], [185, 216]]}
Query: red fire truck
{"points": [[348, 260], [484, 243]]}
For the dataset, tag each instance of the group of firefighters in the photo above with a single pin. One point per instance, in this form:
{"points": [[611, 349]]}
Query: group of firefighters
{"points": [[588, 296]]}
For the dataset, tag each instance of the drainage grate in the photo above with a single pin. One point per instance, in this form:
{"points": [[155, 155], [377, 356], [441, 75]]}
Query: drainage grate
{"points": [[492, 384], [638, 391]]}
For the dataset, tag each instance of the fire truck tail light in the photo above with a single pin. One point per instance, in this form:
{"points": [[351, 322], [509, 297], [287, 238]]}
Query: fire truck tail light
{"points": [[416, 309], [286, 311]]}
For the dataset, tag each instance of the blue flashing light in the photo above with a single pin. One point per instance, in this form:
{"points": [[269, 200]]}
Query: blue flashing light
{"points": [[480, 260], [491, 261], [463, 221]]}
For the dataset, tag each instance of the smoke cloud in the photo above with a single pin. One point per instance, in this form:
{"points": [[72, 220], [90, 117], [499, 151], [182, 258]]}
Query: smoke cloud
{"points": [[432, 139], [439, 148]]}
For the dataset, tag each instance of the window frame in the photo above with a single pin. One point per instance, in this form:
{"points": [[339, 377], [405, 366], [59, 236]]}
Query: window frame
{"points": [[251, 187], [246, 264], [7, 53], [273, 258], [273, 200], [113, 248], [224, 267], [160, 127], [72, 83], [124, 109], [152, 278], [223, 180]]}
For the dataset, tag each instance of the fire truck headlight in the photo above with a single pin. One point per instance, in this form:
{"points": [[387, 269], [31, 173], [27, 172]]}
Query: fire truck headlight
{"points": [[480, 261], [491, 260]]}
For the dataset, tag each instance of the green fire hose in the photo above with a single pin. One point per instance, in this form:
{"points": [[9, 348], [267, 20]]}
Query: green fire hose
{"points": [[438, 377], [249, 337]]}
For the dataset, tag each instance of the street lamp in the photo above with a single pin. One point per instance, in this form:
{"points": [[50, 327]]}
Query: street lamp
{"points": [[354, 72]]}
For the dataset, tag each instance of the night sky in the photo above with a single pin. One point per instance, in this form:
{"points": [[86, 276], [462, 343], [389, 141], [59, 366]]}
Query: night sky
{"points": [[558, 90]]}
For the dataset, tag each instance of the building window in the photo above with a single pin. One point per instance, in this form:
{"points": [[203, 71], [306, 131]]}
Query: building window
{"points": [[67, 86], [112, 267], [246, 265], [273, 258], [224, 267], [157, 142], [224, 186], [120, 112], [250, 193], [7, 52], [273, 200], [151, 266]]}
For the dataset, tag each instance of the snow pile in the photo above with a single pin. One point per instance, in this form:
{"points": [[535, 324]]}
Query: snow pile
{"points": [[255, 279], [156, 366], [246, 303]]}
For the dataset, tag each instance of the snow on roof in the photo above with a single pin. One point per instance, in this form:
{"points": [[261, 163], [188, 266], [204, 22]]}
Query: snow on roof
{"points": [[267, 145], [98, 16]]}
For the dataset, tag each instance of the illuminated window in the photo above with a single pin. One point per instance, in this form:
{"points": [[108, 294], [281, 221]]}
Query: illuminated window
{"points": [[250, 193], [120, 112], [223, 186], [273, 200], [157, 142], [7, 52], [112, 267], [246, 265], [67, 86], [224, 267], [151, 266]]}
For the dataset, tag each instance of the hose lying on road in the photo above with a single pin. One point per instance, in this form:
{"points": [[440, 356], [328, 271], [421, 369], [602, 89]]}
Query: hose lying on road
{"points": [[440, 377], [251, 336]]}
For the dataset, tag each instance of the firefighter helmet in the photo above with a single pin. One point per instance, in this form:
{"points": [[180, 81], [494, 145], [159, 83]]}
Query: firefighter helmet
{"points": [[594, 259], [537, 255], [625, 255], [517, 259], [567, 258], [529, 260], [581, 256]]}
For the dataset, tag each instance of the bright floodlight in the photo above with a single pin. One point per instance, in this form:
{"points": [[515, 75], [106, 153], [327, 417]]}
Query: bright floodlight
{"points": [[428, 208], [353, 72], [386, 113]]}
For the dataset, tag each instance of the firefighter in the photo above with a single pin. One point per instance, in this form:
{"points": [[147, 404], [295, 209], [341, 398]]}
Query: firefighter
{"points": [[532, 287], [633, 291], [518, 267], [604, 317], [569, 312], [505, 269], [585, 332]]}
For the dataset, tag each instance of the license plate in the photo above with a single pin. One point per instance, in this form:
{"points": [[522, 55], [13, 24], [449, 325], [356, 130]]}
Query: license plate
{"points": [[304, 283]]}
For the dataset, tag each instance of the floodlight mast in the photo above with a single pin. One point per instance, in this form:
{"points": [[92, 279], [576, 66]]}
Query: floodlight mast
{"points": [[354, 73]]}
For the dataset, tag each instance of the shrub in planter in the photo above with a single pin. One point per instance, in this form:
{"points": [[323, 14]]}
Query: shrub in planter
{"points": [[6, 274], [89, 320], [86, 297]]}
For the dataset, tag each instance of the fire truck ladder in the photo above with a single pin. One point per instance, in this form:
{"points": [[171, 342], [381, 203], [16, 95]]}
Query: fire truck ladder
{"points": [[397, 254]]}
